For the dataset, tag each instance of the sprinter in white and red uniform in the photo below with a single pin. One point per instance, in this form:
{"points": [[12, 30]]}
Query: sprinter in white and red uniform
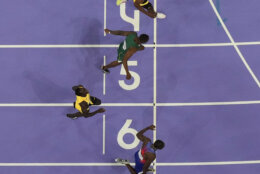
{"points": [[146, 155]]}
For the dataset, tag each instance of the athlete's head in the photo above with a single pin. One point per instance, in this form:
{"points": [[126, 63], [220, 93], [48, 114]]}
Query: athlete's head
{"points": [[143, 38], [158, 144], [81, 91]]}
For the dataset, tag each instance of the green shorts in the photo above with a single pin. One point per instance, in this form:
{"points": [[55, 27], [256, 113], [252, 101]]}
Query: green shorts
{"points": [[120, 57], [120, 54]]}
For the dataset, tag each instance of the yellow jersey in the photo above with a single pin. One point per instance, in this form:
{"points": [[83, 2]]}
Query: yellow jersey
{"points": [[80, 99], [143, 4]]}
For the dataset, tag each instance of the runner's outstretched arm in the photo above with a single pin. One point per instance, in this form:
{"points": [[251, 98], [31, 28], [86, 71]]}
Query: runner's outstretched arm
{"points": [[140, 135], [118, 32]]}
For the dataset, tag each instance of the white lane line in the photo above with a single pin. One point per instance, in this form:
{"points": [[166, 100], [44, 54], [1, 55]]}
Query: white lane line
{"points": [[210, 103], [235, 46], [155, 79], [62, 164], [104, 134], [247, 43], [131, 104], [61, 46], [209, 163], [104, 78], [116, 164], [68, 104], [105, 16], [146, 45]]}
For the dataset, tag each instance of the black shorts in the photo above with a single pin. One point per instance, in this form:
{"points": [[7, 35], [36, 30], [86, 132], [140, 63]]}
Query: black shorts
{"points": [[148, 6], [95, 101]]}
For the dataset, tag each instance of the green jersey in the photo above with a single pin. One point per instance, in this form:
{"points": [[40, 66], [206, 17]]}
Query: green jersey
{"points": [[126, 45]]}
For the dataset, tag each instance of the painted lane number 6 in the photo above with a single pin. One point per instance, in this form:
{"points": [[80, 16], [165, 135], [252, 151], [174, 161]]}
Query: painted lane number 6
{"points": [[127, 130]]}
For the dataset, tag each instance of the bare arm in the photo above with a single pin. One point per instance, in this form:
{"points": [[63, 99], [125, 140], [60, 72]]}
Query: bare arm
{"points": [[119, 32], [143, 138], [137, 5], [141, 48], [85, 109]]}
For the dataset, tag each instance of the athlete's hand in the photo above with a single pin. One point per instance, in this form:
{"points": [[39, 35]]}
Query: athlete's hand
{"points": [[107, 31], [152, 127], [101, 110], [128, 76]]}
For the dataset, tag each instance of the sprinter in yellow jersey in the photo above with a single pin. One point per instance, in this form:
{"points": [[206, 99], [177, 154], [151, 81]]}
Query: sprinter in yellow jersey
{"points": [[145, 7], [83, 101]]}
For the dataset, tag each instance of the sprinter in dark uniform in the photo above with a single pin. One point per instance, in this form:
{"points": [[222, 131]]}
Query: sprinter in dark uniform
{"points": [[145, 156], [83, 101], [127, 48]]}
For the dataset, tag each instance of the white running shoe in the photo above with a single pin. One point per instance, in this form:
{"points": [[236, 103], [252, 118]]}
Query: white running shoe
{"points": [[118, 2], [104, 70], [121, 161], [151, 170], [161, 16]]}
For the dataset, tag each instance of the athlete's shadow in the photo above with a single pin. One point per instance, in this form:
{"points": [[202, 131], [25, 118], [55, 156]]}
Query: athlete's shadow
{"points": [[88, 31], [45, 89]]}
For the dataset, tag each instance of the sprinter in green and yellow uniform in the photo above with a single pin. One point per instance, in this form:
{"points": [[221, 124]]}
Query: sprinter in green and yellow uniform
{"points": [[83, 101], [145, 7], [127, 48]]}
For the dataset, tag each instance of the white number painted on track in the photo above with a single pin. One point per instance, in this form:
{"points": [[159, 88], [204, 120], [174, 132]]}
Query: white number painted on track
{"points": [[127, 130], [134, 75], [134, 21]]}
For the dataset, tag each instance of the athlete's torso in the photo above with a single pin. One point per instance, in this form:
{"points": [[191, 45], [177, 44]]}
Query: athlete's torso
{"points": [[128, 43], [80, 99], [146, 149]]}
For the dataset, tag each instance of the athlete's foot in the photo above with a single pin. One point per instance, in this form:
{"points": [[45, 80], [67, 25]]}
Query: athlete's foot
{"points": [[72, 117], [161, 16], [118, 2], [104, 70], [121, 161], [151, 170]]}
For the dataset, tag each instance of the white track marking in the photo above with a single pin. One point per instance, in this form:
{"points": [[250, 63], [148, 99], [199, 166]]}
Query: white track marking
{"points": [[131, 104], [61, 46], [105, 16], [146, 45], [62, 164], [210, 103], [68, 104], [192, 45], [134, 21], [247, 43], [104, 134], [104, 78], [209, 163], [155, 79], [116, 164], [232, 41]]}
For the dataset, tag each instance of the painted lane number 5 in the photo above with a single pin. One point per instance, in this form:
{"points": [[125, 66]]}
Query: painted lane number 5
{"points": [[135, 76]]}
